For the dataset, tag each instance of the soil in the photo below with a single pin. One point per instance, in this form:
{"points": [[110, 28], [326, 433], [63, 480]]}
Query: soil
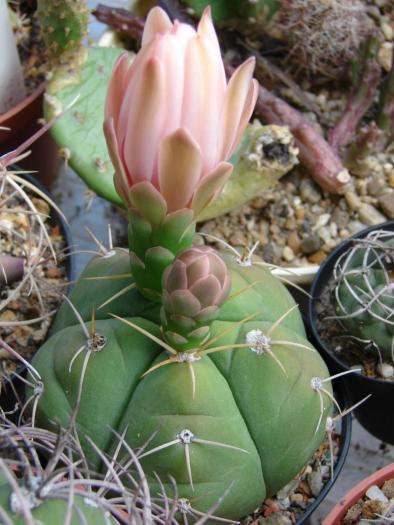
{"points": [[332, 333], [297, 223], [376, 505], [41, 295]]}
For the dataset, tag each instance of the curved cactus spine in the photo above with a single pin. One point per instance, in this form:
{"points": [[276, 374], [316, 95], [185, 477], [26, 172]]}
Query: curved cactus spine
{"points": [[363, 293], [63, 26]]}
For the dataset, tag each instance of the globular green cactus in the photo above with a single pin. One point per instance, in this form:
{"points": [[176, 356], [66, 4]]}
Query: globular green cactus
{"points": [[240, 410], [18, 502], [59, 492], [63, 27], [363, 294]]}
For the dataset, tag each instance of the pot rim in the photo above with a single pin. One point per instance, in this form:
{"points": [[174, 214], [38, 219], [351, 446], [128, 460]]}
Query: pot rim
{"points": [[346, 436], [336, 514], [24, 103], [321, 275]]}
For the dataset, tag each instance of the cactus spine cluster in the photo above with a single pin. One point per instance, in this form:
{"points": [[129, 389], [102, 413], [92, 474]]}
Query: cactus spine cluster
{"points": [[63, 27], [363, 294]]}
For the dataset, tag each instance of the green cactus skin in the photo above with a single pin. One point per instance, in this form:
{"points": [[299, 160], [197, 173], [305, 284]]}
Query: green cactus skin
{"points": [[155, 238], [63, 26], [241, 399], [93, 289], [366, 276], [53, 511]]}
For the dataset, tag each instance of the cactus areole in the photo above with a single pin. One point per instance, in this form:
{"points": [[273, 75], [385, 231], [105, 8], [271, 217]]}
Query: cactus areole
{"points": [[199, 359]]}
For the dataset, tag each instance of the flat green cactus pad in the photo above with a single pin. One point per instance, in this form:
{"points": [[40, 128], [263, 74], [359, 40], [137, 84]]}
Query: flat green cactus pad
{"points": [[79, 131]]}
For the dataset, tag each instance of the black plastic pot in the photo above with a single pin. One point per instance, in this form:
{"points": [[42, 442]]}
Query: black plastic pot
{"points": [[376, 414], [12, 389], [346, 434]]}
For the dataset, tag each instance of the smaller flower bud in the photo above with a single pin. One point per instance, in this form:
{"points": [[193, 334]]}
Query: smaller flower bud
{"points": [[194, 287]]}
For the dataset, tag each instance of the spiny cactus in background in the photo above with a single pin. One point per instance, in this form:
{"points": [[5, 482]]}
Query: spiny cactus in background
{"points": [[61, 489], [214, 384], [321, 36], [363, 295], [63, 26]]}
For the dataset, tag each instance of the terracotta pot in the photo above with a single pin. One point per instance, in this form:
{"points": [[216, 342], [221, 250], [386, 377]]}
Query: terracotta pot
{"points": [[339, 511], [22, 120]]}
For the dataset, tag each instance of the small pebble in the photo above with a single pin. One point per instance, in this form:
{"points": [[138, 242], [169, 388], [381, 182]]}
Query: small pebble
{"points": [[309, 191], [355, 227], [387, 204], [369, 215], [277, 518], [288, 254], [385, 370], [388, 488], [375, 185], [340, 217], [388, 31], [310, 244], [315, 482], [374, 493], [353, 200], [385, 55], [371, 508], [353, 514], [317, 257], [293, 241], [322, 220]]}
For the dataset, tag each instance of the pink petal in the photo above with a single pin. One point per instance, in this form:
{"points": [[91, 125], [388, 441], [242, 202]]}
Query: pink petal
{"points": [[157, 21], [132, 79], [122, 179], [207, 29], [238, 91], [179, 169], [246, 114], [116, 88], [210, 186], [145, 121], [203, 97]]}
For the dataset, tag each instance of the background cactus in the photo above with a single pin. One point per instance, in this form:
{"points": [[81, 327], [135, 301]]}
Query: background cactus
{"points": [[205, 410], [63, 28], [363, 294]]}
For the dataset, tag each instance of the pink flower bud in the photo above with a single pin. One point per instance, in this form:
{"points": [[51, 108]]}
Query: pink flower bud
{"points": [[171, 119]]}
